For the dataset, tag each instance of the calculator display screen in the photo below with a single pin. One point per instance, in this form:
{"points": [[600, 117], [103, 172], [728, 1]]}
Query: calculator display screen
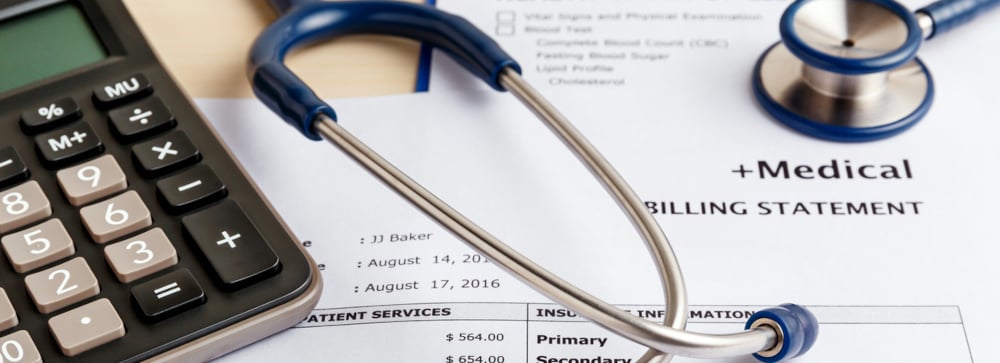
{"points": [[46, 42]]}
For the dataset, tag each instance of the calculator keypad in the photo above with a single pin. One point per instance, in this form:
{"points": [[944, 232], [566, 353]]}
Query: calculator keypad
{"points": [[140, 256], [23, 205], [92, 180], [66, 249], [38, 246], [116, 217], [86, 327], [62, 285]]}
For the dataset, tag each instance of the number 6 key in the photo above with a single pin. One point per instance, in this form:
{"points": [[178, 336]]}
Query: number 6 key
{"points": [[116, 217]]}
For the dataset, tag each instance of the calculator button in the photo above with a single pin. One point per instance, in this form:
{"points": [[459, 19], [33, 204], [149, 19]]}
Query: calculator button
{"points": [[50, 114], [116, 217], [62, 285], [122, 90], [69, 144], [8, 317], [141, 119], [23, 205], [168, 294], [87, 327], [165, 154], [191, 188], [140, 256], [38, 246], [92, 180], [12, 168], [231, 244], [21, 343]]}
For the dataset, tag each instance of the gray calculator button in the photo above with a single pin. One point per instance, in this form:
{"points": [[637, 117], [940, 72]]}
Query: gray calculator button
{"points": [[38, 246], [62, 285], [92, 180], [87, 327], [19, 345], [8, 317], [22, 205], [140, 256], [116, 217]]}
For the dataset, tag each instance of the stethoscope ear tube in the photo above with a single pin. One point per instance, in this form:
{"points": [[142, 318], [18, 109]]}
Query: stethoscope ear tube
{"points": [[306, 22], [948, 14]]}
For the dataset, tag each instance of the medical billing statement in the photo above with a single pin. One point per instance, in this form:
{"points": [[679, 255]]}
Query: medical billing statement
{"points": [[891, 243]]}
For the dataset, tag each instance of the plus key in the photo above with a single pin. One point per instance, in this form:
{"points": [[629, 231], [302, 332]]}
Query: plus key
{"points": [[231, 243]]}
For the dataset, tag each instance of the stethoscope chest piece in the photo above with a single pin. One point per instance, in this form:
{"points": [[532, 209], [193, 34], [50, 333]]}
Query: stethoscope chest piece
{"points": [[846, 70]]}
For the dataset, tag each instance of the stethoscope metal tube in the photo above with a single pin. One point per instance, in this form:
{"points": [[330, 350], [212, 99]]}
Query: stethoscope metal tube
{"points": [[772, 334], [642, 331], [846, 70]]}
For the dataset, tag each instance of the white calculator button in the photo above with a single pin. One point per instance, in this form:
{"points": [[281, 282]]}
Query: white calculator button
{"points": [[87, 327], [38, 246], [62, 285], [8, 317], [92, 180], [116, 217], [140, 256], [19, 345], [22, 205]]}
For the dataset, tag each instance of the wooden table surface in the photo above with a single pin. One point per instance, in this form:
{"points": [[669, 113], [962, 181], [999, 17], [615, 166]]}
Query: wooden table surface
{"points": [[204, 44]]}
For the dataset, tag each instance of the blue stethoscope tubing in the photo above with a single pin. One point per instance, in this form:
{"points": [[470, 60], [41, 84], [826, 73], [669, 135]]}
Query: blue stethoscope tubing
{"points": [[771, 335], [849, 98]]}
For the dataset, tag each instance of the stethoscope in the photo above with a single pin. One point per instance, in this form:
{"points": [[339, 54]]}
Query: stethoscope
{"points": [[846, 70], [771, 334]]}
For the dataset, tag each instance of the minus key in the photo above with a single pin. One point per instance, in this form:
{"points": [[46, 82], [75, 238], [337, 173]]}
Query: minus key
{"points": [[190, 189]]}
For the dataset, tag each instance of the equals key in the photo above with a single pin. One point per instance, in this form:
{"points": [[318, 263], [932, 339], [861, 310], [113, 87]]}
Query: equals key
{"points": [[190, 189]]}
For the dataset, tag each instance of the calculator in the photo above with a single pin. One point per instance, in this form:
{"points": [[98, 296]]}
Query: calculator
{"points": [[128, 230]]}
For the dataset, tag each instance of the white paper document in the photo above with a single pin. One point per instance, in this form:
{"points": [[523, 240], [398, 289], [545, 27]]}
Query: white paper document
{"points": [[892, 244]]}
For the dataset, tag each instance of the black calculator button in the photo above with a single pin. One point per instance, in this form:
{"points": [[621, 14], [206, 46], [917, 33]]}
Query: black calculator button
{"points": [[165, 154], [69, 144], [141, 119], [190, 189], [12, 168], [50, 115], [122, 90], [167, 295], [232, 244]]}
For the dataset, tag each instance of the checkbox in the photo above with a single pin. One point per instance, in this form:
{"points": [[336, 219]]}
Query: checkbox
{"points": [[505, 29], [505, 16]]}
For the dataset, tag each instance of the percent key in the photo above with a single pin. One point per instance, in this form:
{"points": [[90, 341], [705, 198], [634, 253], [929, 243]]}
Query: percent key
{"points": [[49, 115]]}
